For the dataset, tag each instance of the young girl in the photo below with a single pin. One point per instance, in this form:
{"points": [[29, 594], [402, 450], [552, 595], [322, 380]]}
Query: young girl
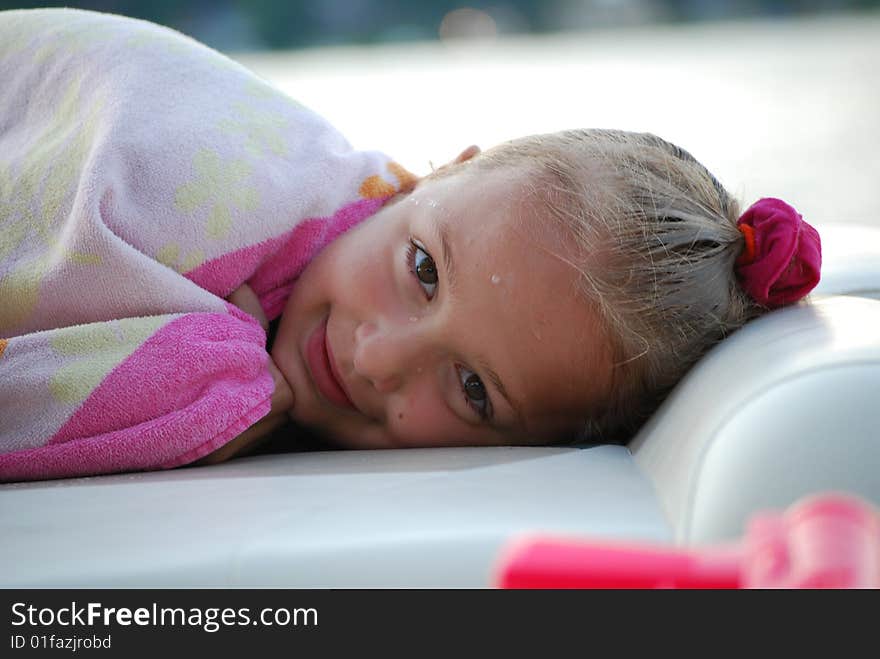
{"points": [[552, 288]]}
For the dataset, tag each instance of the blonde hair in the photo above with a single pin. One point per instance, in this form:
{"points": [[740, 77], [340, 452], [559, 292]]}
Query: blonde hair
{"points": [[657, 239]]}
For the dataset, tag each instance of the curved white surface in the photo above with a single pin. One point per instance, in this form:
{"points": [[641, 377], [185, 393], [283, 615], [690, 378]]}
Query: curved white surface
{"points": [[764, 458], [785, 407], [397, 518]]}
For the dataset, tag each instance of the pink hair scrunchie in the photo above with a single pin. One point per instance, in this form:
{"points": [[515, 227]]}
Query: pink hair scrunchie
{"points": [[783, 254]]}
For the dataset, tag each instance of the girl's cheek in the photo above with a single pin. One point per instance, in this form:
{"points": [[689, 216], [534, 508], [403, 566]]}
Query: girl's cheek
{"points": [[279, 346], [421, 418], [370, 282]]}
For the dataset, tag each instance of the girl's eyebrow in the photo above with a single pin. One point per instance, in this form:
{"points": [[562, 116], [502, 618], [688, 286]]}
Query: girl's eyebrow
{"points": [[441, 234]]}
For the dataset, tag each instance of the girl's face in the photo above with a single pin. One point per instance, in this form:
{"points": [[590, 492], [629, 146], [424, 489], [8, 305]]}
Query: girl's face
{"points": [[446, 319]]}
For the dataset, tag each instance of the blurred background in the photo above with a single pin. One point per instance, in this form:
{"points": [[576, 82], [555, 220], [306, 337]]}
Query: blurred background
{"points": [[777, 97], [277, 24]]}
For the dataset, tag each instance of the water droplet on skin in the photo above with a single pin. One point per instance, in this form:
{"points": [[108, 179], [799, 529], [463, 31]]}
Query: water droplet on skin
{"points": [[432, 203], [536, 334], [413, 319], [495, 279]]}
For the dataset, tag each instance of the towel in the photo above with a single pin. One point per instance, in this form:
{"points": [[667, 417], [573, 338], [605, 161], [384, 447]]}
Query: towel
{"points": [[143, 178]]}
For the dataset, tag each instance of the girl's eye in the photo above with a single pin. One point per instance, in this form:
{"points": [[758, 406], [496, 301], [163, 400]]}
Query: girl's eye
{"points": [[422, 266], [475, 393]]}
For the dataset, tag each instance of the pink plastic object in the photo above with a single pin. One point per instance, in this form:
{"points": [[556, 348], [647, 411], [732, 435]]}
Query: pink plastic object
{"points": [[824, 541]]}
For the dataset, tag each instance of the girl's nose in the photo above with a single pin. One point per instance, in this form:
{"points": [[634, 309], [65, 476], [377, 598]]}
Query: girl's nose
{"points": [[386, 353]]}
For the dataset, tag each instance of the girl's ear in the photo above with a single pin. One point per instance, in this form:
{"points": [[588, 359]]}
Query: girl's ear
{"points": [[464, 156], [467, 154]]}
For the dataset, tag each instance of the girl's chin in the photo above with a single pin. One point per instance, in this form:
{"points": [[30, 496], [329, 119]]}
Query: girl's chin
{"points": [[351, 432]]}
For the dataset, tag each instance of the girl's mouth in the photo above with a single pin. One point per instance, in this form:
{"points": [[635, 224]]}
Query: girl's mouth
{"points": [[319, 359]]}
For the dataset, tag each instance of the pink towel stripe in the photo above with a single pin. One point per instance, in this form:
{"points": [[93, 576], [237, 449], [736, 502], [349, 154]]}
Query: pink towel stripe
{"points": [[111, 452], [271, 266], [190, 388]]}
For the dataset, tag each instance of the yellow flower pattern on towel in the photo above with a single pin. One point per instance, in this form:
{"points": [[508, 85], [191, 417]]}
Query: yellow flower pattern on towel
{"points": [[3, 344], [72, 38], [170, 255], [13, 216], [221, 186], [262, 130], [100, 348], [34, 197], [169, 41]]}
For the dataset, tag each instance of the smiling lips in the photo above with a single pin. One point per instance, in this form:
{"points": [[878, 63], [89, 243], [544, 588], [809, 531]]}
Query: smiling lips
{"points": [[323, 369]]}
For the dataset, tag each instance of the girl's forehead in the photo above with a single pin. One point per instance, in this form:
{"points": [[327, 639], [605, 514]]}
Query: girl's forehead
{"points": [[509, 192]]}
